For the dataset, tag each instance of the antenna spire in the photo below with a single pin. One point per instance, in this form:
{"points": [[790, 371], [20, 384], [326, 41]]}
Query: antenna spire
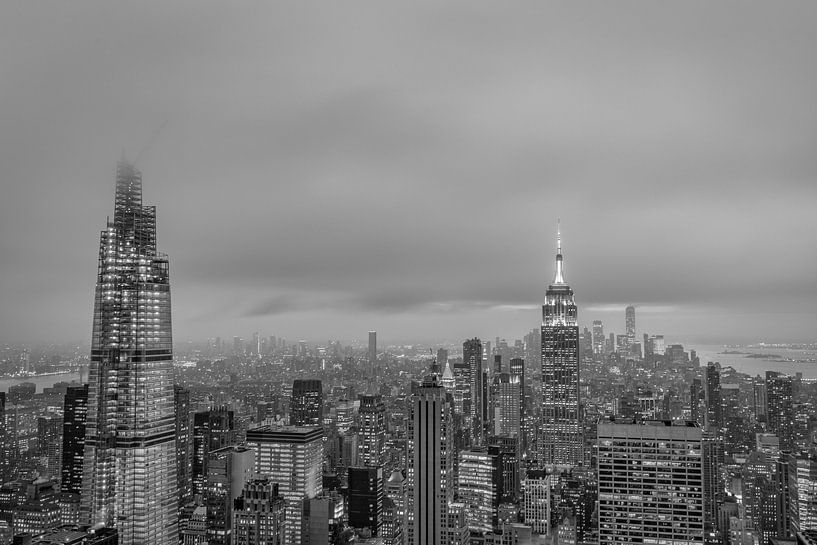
{"points": [[559, 279]]}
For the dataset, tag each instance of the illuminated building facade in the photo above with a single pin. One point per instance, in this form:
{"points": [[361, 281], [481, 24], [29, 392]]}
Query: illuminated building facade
{"points": [[472, 357], [650, 476], [561, 437], [372, 441], [129, 472], [306, 405], [292, 457], [75, 412], [629, 322], [475, 484], [430, 479]]}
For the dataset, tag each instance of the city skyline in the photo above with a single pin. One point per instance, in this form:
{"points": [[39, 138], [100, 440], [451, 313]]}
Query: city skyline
{"points": [[330, 202]]}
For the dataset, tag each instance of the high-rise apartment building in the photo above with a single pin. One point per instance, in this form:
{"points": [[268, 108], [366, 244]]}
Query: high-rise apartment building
{"points": [[292, 457], [430, 479], [306, 405], [561, 437], [780, 408], [472, 357], [650, 483], [184, 444], [75, 412], [129, 475], [629, 322], [372, 434]]}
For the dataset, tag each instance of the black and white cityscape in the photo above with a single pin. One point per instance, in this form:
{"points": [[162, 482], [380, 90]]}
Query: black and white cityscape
{"points": [[430, 274]]}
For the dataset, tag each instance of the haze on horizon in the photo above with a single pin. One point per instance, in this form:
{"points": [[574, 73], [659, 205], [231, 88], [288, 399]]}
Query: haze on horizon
{"points": [[320, 171]]}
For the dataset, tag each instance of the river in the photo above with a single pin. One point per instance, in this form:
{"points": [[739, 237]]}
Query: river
{"points": [[45, 381], [758, 366]]}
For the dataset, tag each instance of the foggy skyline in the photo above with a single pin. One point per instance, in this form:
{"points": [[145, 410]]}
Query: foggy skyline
{"points": [[320, 172]]}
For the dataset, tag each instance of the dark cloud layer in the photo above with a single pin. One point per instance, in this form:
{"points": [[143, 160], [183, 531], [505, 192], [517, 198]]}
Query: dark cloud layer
{"points": [[322, 170]]}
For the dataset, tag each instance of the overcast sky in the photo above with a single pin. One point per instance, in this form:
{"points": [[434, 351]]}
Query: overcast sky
{"points": [[325, 169]]}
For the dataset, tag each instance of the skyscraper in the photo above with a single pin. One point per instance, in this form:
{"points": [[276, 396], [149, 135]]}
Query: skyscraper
{"points": [[598, 337], [472, 357], [373, 352], [292, 457], [629, 322], [476, 488], [779, 408], [366, 498], [184, 444], [228, 470], [658, 498], [372, 443], [306, 405], [129, 474], [714, 409], [431, 465], [75, 411], [212, 430], [561, 433]]}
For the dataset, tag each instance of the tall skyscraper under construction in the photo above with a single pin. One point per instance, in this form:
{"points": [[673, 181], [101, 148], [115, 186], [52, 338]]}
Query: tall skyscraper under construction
{"points": [[561, 436], [129, 473]]}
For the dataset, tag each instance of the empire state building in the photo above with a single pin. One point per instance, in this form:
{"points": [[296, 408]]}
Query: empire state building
{"points": [[129, 475], [561, 438]]}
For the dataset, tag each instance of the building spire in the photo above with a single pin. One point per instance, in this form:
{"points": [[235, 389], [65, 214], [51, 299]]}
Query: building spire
{"points": [[559, 278]]}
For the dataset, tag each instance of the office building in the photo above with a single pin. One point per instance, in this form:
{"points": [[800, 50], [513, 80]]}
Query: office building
{"points": [[629, 322], [506, 395], [292, 457], [372, 425], [598, 337], [366, 498], [561, 437], [49, 442], [306, 405], [430, 479], [475, 485], [650, 476], [75, 412], [259, 514], [472, 357], [129, 474], [536, 502], [714, 407], [779, 408]]}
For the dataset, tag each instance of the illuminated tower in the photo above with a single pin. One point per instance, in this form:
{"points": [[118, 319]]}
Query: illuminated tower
{"points": [[561, 434], [472, 356], [129, 473]]}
